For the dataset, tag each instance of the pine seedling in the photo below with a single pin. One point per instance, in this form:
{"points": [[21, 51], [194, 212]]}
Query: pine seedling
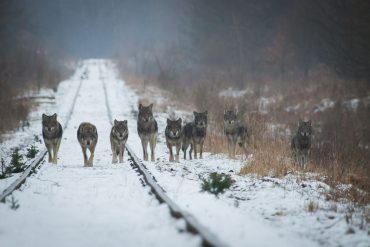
{"points": [[216, 183], [4, 171], [16, 163], [31, 152]]}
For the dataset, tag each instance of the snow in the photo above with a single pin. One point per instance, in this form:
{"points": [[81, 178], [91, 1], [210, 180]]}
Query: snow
{"points": [[69, 205], [106, 205], [255, 212], [232, 93], [324, 105]]}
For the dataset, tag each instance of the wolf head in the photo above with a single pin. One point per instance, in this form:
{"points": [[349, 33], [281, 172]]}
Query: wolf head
{"points": [[200, 119], [145, 113], [305, 128], [49, 123], [120, 129], [174, 127], [230, 117], [88, 134]]}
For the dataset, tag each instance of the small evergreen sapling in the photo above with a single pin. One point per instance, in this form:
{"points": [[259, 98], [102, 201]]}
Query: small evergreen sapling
{"points": [[31, 152], [216, 183], [16, 163]]}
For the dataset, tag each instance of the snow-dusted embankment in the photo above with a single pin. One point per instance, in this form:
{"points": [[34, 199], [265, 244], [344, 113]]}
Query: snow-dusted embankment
{"points": [[69, 205]]}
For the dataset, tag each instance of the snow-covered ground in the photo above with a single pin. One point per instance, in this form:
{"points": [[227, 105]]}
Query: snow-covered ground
{"points": [[69, 205], [106, 205], [255, 212]]}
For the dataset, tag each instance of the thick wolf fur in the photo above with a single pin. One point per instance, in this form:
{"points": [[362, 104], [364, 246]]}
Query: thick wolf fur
{"points": [[301, 143], [173, 134], [236, 132], [118, 139], [87, 136], [147, 128], [52, 133], [195, 134]]}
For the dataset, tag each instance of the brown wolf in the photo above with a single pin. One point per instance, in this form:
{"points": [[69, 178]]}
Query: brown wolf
{"points": [[173, 134], [147, 128], [118, 139], [195, 134], [235, 131], [52, 133], [87, 136], [301, 142]]}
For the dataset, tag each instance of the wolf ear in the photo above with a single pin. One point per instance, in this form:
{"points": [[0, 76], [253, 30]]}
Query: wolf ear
{"points": [[195, 113], [309, 122], [125, 122], [168, 121], [43, 116], [179, 120], [54, 116], [140, 106], [115, 122], [206, 112], [151, 106]]}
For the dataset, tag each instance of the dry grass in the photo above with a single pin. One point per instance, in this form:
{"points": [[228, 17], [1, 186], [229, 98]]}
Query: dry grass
{"points": [[273, 160], [339, 153]]}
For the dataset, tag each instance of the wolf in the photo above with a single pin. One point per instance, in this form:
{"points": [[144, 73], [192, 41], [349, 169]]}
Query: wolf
{"points": [[118, 139], [301, 142], [235, 131], [173, 134], [52, 133], [147, 128], [87, 136], [195, 133]]}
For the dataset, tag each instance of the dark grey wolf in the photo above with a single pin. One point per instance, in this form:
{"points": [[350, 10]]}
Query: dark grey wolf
{"points": [[52, 133], [173, 134], [87, 136], [235, 131], [301, 143], [147, 128], [118, 139], [194, 134]]}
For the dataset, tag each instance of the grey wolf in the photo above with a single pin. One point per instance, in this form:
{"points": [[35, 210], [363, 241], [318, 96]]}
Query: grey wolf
{"points": [[52, 133], [147, 128], [118, 139], [195, 134], [173, 134], [301, 142], [87, 136], [235, 131]]}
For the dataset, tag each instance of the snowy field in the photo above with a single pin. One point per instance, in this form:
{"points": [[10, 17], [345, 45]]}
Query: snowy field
{"points": [[69, 205]]}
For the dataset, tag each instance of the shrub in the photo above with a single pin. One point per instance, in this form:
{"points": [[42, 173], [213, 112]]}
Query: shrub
{"points": [[16, 164], [31, 152], [216, 183]]}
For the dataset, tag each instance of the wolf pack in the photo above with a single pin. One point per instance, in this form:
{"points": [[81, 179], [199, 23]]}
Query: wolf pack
{"points": [[178, 136]]}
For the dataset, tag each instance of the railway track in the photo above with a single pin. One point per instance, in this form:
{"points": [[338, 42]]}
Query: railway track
{"points": [[31, 166], [192, 224]]}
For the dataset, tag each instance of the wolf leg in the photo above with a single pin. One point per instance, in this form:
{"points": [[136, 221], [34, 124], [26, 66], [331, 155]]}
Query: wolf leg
{"points": [[84, 155], [171, 153], [184, 150], [201, 150], [121, 149], [49, 148], [153, 142], [56, 150], [91, 158], [190, 151], [114, 155], [178, 152], [144, 144], [229, 146], [195, 150]]}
